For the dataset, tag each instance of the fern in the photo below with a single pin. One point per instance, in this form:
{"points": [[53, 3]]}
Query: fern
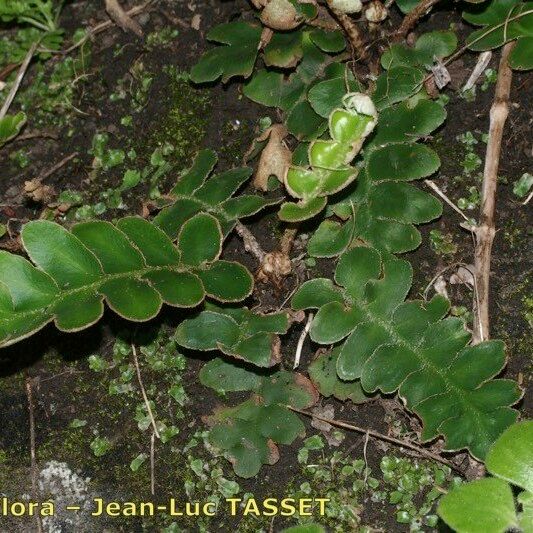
{"points": [[381, 208], [197, 192], [407, 346], [249, 433], [329, 167], [236, 332], [132, 265], [503, 21]]}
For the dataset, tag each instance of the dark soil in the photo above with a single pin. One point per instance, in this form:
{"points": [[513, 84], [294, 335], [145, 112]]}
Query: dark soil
{"points": [[217, 117]]}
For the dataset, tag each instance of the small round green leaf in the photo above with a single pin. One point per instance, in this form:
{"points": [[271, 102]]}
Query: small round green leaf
{"points": [[228, 376], [482, 506], [132, 298], [60, 254], [200, 240], [511, 456], [206, 331], [227, 281], [405, 162]]}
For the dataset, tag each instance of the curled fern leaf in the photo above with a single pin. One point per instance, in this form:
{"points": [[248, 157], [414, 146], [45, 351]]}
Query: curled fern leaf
{"points": [[329, 168], [132, 266], [407, 346]]}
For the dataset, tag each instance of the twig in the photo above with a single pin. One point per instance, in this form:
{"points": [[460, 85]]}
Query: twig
{"points": [[526, 201], [482, 63], [137, 10], [57, 166], [152, 463], [432, 185], [365, 446], [380, 436], [251, 244], [18, 80], [145, 397], [7, 70], [411, 19], [33, 455], [287, 240], [301, 340], [121, 18], [486, 230], [36, 135], [176, 20]]}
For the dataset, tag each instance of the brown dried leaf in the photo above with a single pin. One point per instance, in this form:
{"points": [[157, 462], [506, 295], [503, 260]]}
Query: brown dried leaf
{"points": [[275, 157], [36, 191], [273, 456], [306, 384]]}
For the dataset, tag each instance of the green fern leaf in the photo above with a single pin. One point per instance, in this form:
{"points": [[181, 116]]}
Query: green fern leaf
{"points": [[197, 192], [236, 332], [381, 208], [132, 266], [407, 346], [250, 432]]}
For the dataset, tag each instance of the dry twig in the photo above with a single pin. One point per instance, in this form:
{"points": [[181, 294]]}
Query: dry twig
{"points": [[355, 36], [152, 463], [251, 244], [33, 455], [143, 391], [18, 80], [121, 18], [482, 63], [432, 185], [485, 230], [412, 18], [57, 166], [380, 436], [91, 32], [301, 340]]}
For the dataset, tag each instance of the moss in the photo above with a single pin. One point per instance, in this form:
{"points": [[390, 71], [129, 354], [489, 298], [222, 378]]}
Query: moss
{"points": [[184, 121]]}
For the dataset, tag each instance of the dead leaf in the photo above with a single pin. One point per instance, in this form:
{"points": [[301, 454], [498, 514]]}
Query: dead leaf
{"points": [[333, 437], [275, 266], [195, 22], [440, 287], [306, 384], [441, 74], [36, 191], [275, 157], [273, 452], [463, 276]]}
